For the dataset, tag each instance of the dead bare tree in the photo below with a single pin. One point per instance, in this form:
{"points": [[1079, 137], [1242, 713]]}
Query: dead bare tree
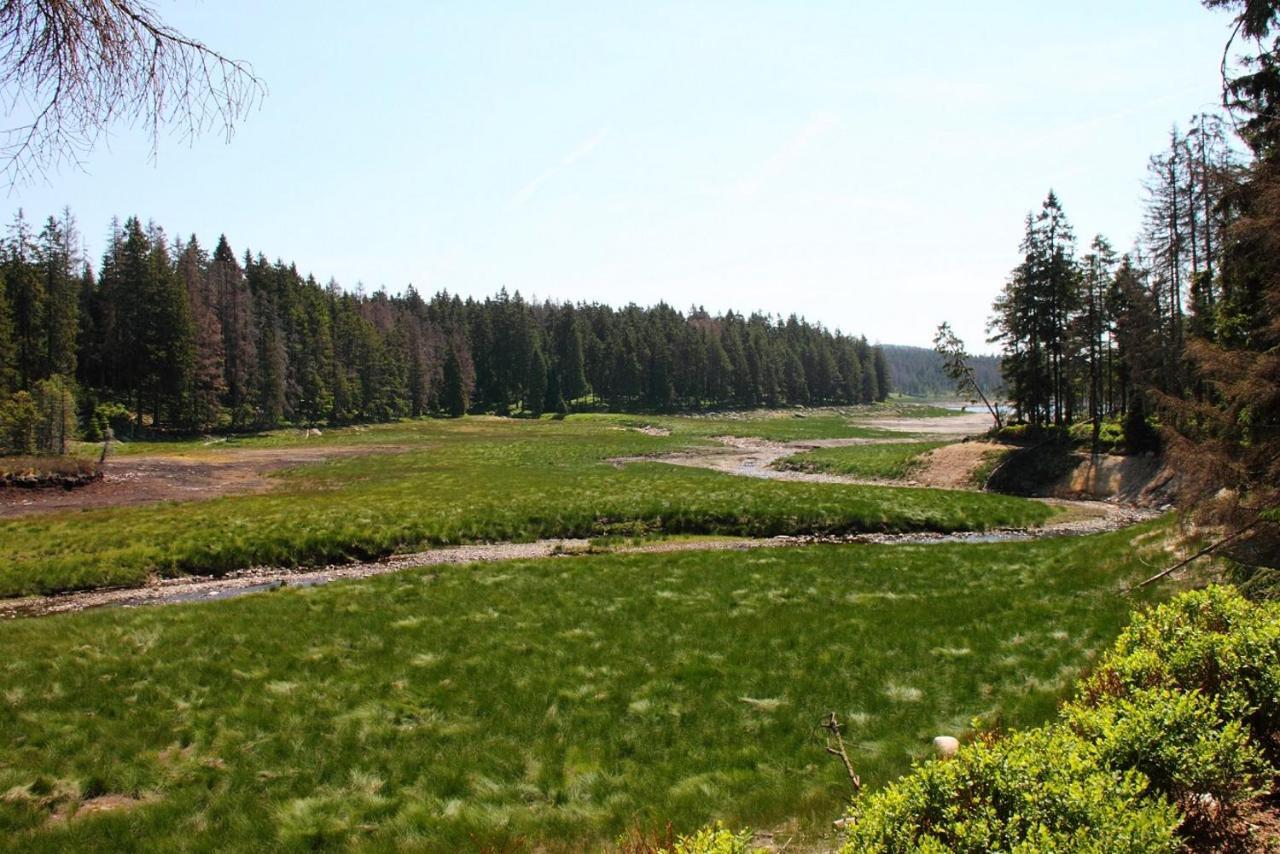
{"points": [[71, 69], [955, 363]]}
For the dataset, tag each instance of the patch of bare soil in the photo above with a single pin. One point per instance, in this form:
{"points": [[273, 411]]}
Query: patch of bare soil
{"points": [[965, 424], [791, 837], [1252, 826], [952, 466], [650, 430], [750, 457], [1260, 824], [1137, 478], [146, 478], [70, 811]]}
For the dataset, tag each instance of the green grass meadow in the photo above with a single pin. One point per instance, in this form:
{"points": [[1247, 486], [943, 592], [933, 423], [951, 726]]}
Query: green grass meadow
{"points": [[542, 705], [889, 461], [472, 480]]}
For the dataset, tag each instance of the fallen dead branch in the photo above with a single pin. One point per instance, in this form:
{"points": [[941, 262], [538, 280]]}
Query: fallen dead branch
{"points": [[833, 726], [1204, 551]]}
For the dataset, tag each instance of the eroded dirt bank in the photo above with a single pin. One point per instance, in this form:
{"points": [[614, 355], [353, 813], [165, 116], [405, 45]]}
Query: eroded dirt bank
{"points": [[149, 478]]}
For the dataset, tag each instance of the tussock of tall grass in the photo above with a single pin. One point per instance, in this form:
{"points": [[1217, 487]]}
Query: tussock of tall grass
{"points": [[890, 461], [569, 702], [51, 468]]}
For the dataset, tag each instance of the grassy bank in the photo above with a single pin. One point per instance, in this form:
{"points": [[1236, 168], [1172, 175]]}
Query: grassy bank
{"points": [[472, 480], [548, 704], [890, 461]]}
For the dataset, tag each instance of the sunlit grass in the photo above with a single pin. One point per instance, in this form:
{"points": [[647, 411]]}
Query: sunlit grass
{"points": [[776, 424], [539, 705], [889, 461], [481, 479]]}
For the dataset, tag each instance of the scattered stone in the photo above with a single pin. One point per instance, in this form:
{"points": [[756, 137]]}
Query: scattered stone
{"points": [[945, 746]]}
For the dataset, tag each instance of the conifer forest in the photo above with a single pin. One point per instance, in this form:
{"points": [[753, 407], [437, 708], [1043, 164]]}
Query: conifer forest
{"points": [[195, 341]]}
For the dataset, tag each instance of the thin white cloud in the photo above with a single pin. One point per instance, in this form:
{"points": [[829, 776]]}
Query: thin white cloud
{"points": [[790, 152], [586, 147], [1084, 129]]}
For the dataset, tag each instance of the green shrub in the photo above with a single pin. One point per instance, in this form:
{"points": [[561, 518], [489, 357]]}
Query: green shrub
{"points": [[1012, 432], [1179, 741], [1039, 790], [110, 415], [716, 839], [1110, 434], [1186, 703], [1213, 641]]}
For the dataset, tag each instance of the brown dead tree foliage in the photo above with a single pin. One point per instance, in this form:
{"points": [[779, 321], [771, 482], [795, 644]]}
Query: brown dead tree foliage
{"points": [[1225, 440], [71, 69]]}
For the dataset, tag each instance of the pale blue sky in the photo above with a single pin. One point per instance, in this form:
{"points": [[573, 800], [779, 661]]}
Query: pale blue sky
{"points": [[865, 165]]}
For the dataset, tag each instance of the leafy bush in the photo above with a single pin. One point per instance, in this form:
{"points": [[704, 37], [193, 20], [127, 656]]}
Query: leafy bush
{"points": [[1212, 641], [1110, 434], [1186, 703], [1179, 741], [1039, 790], [716, 839], [1012, 433], [109, 415]]}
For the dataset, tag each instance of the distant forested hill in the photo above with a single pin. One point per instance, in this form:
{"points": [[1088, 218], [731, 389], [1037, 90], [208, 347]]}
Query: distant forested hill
{"points": [[917, 371]]}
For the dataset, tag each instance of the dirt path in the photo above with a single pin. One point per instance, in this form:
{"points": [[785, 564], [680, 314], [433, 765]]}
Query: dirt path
{"points": [[148, 478]]}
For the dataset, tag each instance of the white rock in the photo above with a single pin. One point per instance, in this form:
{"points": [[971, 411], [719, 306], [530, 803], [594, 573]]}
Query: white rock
{"points": [[945, 746]]}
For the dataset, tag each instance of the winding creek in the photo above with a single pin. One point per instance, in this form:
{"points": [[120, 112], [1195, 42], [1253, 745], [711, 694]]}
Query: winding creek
{"points": [[732, 455]]}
